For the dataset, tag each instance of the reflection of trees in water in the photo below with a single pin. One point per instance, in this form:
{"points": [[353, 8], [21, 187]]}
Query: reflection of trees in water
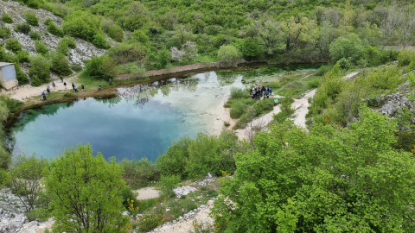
{"points": [[110, 101], [142, 93], [33, 113], [226, 78]]}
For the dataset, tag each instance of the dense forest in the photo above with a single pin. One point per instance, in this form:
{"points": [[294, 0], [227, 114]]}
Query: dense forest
{"points": [[351, 170]]}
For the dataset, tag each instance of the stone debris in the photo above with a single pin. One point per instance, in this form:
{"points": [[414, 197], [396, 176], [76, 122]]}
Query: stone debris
{"points": [[394, 102], [186, 189]]}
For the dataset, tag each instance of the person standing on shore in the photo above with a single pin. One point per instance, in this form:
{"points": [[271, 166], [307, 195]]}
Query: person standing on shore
{"points": [[75, 88], [44, 95], [82, 87], [48, 90], [110, 80], [53, 85], [64, 85], [61, 78]]}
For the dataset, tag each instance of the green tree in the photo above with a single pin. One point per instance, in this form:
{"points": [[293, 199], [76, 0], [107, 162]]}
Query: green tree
{"points": [[100, 67], [60, 64], [228, 54], [345, 47], [84, 190], [251, 48], [53, 29], [342, 180], [41, 47], [26, 177]]}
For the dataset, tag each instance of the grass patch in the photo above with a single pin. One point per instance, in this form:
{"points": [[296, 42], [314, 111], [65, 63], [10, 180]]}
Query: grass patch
{"points": [[299, 87], [207, 58]]}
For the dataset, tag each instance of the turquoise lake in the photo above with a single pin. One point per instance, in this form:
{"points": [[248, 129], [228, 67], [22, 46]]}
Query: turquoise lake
{"points": [[142, 121]]}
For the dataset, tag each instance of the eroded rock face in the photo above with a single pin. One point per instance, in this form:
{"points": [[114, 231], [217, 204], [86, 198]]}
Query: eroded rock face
{"points": [[11, 222], [83, 51], [394, 102]]}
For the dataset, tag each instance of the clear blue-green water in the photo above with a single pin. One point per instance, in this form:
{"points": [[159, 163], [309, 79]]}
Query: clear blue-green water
{"points": [[142, 122]]}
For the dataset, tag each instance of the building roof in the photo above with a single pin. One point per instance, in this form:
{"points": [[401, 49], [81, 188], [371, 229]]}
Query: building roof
{"points": [[3, 64]]}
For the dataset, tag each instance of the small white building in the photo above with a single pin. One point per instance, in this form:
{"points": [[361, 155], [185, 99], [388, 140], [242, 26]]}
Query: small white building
{"points": [[7, 75]]}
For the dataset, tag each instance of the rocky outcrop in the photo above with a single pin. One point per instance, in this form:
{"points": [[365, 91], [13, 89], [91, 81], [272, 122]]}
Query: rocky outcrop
{"points": [[83, 51], [394, 102], [11, 222]]}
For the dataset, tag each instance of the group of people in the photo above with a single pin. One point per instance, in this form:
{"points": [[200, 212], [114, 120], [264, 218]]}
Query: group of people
{"points": [[74, 88], [257, 92]]}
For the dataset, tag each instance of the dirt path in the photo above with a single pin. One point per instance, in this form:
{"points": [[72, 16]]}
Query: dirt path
{"points": [[301, 109], [26, 91], [147, 193]]}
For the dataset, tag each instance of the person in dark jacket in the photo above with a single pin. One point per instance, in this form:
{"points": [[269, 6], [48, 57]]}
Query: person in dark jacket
{"points": [[44, 95]]}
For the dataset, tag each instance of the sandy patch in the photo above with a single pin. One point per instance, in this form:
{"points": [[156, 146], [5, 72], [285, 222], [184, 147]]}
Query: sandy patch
{"points": [[147, 193], [26, 91]]}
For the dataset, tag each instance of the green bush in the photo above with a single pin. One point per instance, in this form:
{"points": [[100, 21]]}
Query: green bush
{"points": [[20, 75], [39, 70], [4, 176], [373, 56], [31, 18], [35, 35], [125, 53], [60, 65], [13, 44], [127, 194], [48, 21], [100, 67], [263, 106], [5, 158], [313, 83], [238, 108], [168, 183], [344, 63], [41, 47], [229, 54], [116, 32], [38, 214], [237, 93], [173, 162], [53, 29], [100, 42], [76, 67], [405, 57], [139, 173], [23, 28], [323, 70], [5, 32], [23, 56], [345, 47], [6, 18]]}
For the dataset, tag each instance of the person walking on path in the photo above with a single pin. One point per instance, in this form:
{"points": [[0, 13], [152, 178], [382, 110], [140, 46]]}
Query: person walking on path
{"points": [[48, 90], [99, 87], [61, 78], [44, 95], [64, 85], [75, 88], [82, 87], [110, 80], [53, 85]]}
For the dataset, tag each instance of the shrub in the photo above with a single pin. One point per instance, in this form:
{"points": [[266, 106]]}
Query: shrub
{"points": [[372, 55], [38, 214], [100, 42], [263, 106], [116, 32], [39, 70], [31, 18], [12, 104], [48, 21], [6, 18], [238, 108], [41, 47], [60, 64], [127, 195], [23, 56], [4, 158], [35, 35], [5, 32], [323, 70], [344, 63], [23, 28], [313, 83], [4, 176], [237, 93], [405, 57], [64, 45], [229, 54], [173, 162], [13, 44], [168, 183], [100, 67], [20, 75], [125, 53], [53, 29], [76, 67], [139, 173]]}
